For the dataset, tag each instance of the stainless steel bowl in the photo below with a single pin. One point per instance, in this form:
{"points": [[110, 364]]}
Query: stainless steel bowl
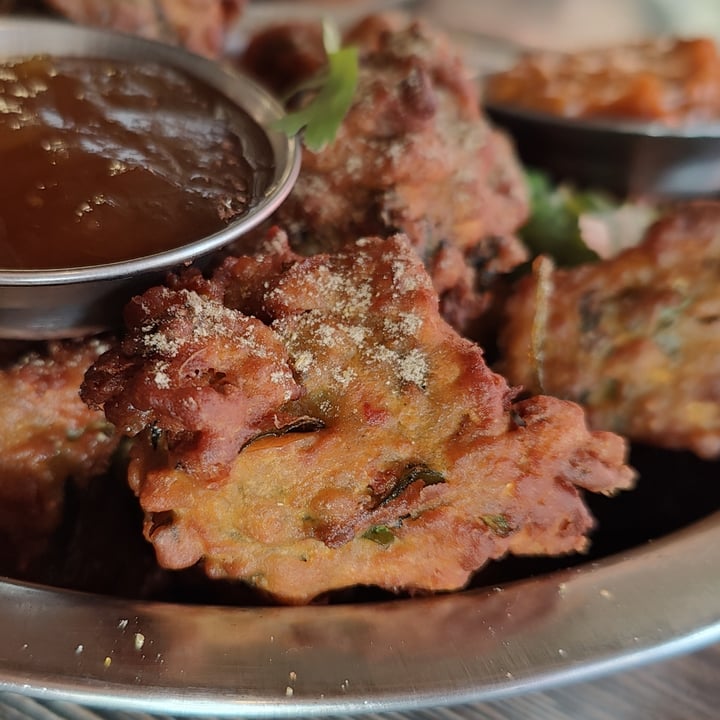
{"points": [[628, 158], [36, 304]]}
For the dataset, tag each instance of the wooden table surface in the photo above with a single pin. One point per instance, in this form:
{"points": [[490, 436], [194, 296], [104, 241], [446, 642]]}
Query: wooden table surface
{"points": [[681, 688]]}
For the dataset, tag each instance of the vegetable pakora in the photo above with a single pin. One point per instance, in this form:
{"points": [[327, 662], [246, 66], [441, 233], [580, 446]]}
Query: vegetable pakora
{"points": [[47, 437], [671, 80], [415, 155], [200, 25], [379, 449], [635, 339]]}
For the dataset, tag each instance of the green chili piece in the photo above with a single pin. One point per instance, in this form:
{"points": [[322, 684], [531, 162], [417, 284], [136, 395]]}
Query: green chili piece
{"points": [[380, 534]]}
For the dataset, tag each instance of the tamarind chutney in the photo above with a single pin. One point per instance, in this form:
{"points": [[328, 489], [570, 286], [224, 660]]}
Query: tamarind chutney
{"points": [[105, 160]]}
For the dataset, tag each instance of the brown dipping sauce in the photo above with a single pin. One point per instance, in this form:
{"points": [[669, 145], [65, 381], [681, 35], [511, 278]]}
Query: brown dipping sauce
{"points": [[672, 81], [103, 161]]}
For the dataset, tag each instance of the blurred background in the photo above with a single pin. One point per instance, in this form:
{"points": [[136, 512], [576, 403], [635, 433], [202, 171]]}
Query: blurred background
{"points": [[492, 31]]}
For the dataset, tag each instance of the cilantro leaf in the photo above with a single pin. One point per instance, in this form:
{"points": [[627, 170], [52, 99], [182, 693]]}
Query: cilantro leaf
{"points": [[322, 116], [552, 228], [577, 226]]}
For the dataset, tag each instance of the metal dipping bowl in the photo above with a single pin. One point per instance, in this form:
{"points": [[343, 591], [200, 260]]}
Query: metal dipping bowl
{"points": [[627, 158], [39, 304]]}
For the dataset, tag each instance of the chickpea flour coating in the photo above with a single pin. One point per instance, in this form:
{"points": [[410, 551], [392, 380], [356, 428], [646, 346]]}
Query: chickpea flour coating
{"points": [[335, 431]]}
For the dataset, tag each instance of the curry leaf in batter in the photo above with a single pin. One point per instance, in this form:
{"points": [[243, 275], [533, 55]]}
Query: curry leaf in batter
{"points": [[380, 534], [499, 524], [302, 424], [412, 474]]}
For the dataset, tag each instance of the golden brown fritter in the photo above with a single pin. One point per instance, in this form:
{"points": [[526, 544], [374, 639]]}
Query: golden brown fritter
{"points": [[285, 54], [400, 459], [635, 339], [47, 436], [413, 155], [189, 369], [199, 25]]}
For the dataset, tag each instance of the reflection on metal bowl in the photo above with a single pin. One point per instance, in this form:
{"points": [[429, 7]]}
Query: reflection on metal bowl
{"points": [[78, 301]]}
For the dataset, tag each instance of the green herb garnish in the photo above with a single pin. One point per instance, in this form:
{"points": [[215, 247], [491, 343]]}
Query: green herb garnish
{"points": [[411, 475], [380, 534], [499, 524], [553, 227], [575, 226], [335, 88]]}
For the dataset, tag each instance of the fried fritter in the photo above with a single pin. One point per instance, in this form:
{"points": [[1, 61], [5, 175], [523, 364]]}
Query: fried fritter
{"points": [[389, 454], [189, 370], [199, 25], [47, 436], [634, 339], [414, 155], [284, 55]]}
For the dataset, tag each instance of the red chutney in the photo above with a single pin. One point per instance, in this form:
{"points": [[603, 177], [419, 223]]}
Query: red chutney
{"points": [[103, 161], [668, 80]]}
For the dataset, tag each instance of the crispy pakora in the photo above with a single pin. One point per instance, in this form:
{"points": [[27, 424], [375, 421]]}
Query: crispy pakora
{"points": [[367, 443], [634, 339], [199, 25], [47, 437], [414, 154]]}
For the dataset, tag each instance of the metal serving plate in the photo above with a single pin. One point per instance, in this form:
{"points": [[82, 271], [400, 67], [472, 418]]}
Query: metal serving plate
{"points": [[481, 644]]}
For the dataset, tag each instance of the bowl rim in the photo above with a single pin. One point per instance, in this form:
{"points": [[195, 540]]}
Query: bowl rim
{"points": [[632, 129], [238, 88]]}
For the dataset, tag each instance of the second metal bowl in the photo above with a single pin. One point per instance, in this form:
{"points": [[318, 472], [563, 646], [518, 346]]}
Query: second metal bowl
{"points": [[628, 158]]}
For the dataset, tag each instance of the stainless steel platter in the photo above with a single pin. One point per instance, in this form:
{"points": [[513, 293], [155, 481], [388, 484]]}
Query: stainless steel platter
{"points": [[637, 606]]}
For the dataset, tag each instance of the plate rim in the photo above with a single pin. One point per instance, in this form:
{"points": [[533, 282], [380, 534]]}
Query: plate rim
{"points": [[642, 605]]}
